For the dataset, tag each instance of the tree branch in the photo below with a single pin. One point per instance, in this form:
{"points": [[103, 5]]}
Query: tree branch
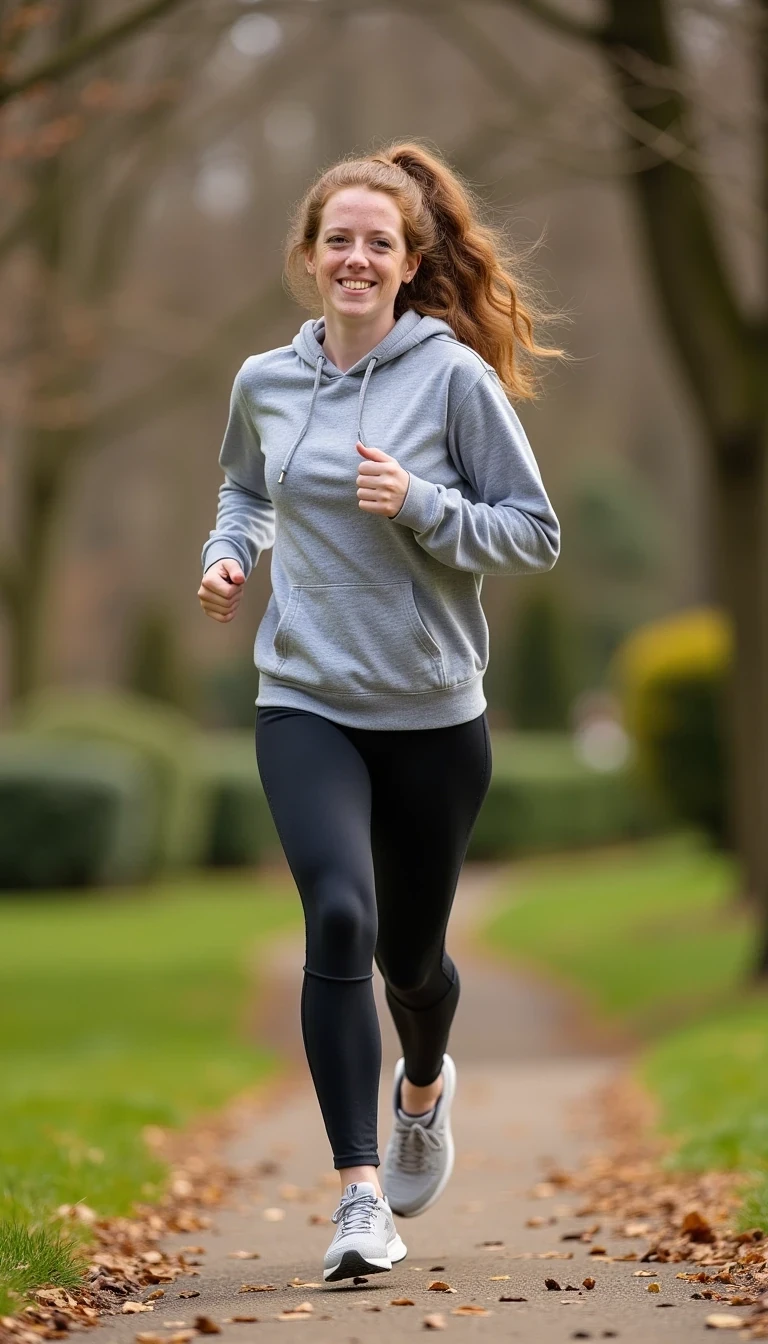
{"points": [[85, 49]]}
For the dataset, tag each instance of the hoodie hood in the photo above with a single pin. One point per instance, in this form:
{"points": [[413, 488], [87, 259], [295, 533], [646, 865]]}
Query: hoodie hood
{"points": [[410, 330]]}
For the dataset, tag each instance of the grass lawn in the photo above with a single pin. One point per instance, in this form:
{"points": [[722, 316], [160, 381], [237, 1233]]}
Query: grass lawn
{"points": [[117, 1010], [652, 936]]}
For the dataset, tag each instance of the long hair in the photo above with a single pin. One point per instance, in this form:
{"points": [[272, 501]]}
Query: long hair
{"points": [[466, 272]]}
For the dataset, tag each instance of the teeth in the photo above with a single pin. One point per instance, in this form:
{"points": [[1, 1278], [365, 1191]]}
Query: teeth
{"points": [[356, 284]]}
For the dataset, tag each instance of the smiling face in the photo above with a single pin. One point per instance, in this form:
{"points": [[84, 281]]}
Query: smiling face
{"points": [[360, 260]]}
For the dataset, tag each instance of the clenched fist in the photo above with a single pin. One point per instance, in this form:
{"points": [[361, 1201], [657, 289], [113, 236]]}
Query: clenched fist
{"points": [[221, 590], [382, 483]]}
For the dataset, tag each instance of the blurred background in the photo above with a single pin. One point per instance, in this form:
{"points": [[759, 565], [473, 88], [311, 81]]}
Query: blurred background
{"points": [[150, 155]]}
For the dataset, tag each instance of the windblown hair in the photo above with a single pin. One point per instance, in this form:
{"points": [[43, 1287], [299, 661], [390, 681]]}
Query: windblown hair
{"points": [[468, 275]]}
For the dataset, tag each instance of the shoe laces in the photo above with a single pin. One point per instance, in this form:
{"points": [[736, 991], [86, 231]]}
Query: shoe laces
{"points": [[416, 1146], [355, 1213]]}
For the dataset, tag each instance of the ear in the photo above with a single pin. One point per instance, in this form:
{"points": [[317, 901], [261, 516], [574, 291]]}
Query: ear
{"points": [[414, 261], [309, 261]]}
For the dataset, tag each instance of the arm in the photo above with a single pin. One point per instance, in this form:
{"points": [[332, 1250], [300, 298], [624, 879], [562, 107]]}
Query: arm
{"points": [[245, 519], [513, 529]]}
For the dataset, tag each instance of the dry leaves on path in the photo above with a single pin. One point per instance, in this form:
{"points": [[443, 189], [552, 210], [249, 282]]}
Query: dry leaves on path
{"points": [[685, 1217], [440, 1286], [435, 1322]]}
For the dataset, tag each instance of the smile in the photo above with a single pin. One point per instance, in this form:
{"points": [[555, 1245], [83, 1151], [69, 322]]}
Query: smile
{"points": [[356, 284]]}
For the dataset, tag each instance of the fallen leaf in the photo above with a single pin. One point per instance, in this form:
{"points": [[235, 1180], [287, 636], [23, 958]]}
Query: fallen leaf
{"points": [[241, 1320], [190, 1292], [653, 1288], [439, 1286], [159, 1292], [358, 1279], [645, 1274], [588, 1284], [299, 1283], [552, 1285], [436, 1269], [436, 1322], [491, 1243], [146, 1337], [401, 1302], [273, 1215], [513, 1299], [205, 1326], [133, 1308], [244, 1255], [724, 1322], [470, 1310], [495, 1278], [696, 1228], [304, 1308], [257, 1288], [292, 1316], [174, 1325]]}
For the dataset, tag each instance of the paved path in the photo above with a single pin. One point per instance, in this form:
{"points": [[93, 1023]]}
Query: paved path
{"points": [[527, 1063]]}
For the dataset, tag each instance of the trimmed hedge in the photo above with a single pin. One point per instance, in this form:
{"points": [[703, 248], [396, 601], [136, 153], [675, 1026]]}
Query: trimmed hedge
{"points": [[240, 831], [71, 817], [672, 678], [164, 738], [542, 797]]}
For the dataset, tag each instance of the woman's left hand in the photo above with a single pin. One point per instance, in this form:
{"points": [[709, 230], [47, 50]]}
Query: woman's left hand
{"points": [[382, 483]]}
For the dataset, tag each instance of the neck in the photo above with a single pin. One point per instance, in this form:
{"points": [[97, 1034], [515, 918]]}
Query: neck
{"points": [[346, 341]]}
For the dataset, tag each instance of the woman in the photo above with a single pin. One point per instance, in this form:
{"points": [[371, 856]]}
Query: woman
{"points": [[380, 454]]}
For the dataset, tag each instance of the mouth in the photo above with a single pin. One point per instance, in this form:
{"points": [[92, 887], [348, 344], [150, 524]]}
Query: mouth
{"points": [[357, 286]]}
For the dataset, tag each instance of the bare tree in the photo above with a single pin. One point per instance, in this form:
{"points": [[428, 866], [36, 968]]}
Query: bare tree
{"points": [[721, 346], [73, 217]]}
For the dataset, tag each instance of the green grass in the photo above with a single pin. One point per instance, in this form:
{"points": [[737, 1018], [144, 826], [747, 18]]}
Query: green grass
{"points": [[654, 940], [123, 1009], [649, 932]]}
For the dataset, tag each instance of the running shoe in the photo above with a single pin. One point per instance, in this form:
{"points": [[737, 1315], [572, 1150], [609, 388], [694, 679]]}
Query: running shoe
{"points": [[419, 1157], [366, 1240]]}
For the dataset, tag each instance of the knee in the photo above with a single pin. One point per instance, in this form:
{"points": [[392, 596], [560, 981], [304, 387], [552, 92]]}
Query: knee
{"points": [[414, 979], [341, 934]]}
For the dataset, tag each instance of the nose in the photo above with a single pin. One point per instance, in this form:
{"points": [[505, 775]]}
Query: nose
{"points": [[357, 256]]}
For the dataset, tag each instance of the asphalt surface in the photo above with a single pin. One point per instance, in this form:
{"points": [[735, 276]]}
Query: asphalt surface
{"points": [[528, 1062]]}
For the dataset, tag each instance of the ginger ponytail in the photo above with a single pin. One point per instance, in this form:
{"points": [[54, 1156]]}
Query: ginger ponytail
{"points": [[467, 276]]}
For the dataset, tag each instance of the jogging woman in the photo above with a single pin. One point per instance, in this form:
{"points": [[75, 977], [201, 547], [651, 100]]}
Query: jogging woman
{"points": [[380, 455]]}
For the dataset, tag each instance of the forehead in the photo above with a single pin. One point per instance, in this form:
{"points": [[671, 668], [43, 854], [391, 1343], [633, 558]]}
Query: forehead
{"points": [[357, 207]]}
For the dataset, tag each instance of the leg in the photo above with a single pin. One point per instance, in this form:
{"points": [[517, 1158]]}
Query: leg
{"points": [[318, 789], [428, 787]]}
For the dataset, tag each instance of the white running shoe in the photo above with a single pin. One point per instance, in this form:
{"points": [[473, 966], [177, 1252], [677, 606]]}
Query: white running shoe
{"points": [[366, 1240], [419, 1157]]}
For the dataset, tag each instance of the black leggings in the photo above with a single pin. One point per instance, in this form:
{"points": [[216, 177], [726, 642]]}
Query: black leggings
{"points": [[375, 826]]}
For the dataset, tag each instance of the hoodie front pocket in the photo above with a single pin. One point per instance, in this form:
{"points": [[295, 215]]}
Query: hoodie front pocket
{"points": [[357, 639]]}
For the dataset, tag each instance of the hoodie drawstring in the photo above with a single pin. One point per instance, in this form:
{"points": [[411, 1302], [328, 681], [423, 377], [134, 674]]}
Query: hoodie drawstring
{"points": [[361, 401], [305, 426]]}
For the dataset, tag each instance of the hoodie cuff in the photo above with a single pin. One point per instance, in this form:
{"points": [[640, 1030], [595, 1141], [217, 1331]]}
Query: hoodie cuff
{"points": [[224, 550], [419, 506]]}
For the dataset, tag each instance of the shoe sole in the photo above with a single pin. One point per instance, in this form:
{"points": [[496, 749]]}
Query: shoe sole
{"points": [[352, 1263], [444, 1179]]}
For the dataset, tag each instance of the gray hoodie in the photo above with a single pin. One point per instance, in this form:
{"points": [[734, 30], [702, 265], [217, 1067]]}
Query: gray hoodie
{"points": [[376, 622]]}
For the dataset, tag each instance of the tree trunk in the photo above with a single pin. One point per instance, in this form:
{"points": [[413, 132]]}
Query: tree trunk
{"points": [[740, 474]]}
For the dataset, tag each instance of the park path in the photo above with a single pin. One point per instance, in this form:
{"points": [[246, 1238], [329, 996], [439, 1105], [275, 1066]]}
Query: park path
{"points": [[528, 1062]]}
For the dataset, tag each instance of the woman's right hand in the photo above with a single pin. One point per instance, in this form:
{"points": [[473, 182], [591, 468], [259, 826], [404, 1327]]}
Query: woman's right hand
{"points": [[221, 590]]}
